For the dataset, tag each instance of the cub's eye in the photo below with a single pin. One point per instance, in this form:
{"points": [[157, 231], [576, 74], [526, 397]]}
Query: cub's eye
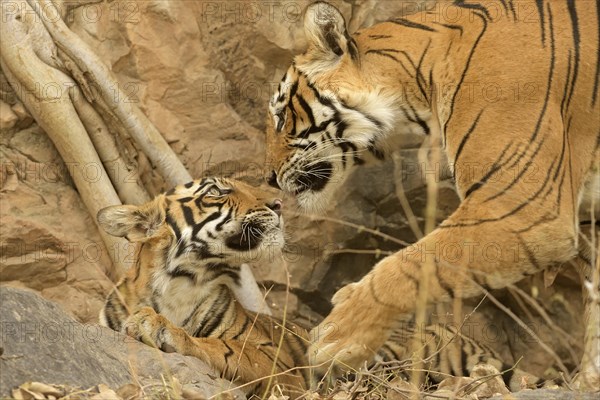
{"points": [[215, 192]]}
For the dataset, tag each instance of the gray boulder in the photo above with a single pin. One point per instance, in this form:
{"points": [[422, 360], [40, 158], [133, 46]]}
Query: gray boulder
{"points": [[40, 342]]}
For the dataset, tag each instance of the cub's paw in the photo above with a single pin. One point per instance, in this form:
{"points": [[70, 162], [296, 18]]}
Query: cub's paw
{"points": [[154, 330], [352, 333]]}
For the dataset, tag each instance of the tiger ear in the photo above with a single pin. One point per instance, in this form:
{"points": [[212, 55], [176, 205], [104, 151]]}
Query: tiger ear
{"points": [[136, 223], [325, 29]]}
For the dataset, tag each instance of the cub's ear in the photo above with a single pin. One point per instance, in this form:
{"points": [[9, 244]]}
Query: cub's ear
{"points": [[136, 223], [325, 29]]}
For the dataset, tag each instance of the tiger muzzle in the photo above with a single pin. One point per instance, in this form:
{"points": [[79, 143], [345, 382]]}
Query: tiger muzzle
{"points": [[314, 177]]}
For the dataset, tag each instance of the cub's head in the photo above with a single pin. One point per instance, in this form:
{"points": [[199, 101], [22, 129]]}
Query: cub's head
{"points": [[208, 220], [326, 116]]}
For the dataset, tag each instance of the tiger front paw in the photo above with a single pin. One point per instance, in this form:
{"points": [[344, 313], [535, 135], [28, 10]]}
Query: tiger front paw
{"points": [[351, 334], [154, 330]]}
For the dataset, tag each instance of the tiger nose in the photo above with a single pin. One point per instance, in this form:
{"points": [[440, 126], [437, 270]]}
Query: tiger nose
{"points": [[276, 205], [272, 180]]}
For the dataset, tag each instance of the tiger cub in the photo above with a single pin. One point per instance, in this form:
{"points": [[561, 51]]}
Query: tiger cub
{"points": [[179, 296]]}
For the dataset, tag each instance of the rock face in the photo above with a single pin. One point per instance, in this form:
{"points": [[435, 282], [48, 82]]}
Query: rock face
{"points": [[203, 72], [40, 342]]}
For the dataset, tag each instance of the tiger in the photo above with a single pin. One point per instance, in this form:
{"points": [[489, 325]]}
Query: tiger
{"points": [[520, 156], [179, 295]]}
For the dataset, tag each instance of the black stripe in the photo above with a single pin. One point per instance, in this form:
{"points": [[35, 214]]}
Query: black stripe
{"points": [[465, 138], [193, 313], [512, 10], [464, 73], [308, 146], [451, 26], [563, 102], [203, 251], [228, 353], [476, 7], [506, 215], [540, 7], [420, 77], [277, 362], [243, 330], [550, 73], [530, 256], [214, 316], [173, 224], [576, 39], [206, 220], [562, 155], [477, 185], [387, 348], [595, 90], [412, 24], [375, 151], [495, 166], [178, 272], [548, 217], [293, 90], [504, 5], [188, 214], [202, 185], [306, 109], [418, 119], [377, 37], [352, 47], [113, 309], [227, 218], [217, 320], [384, 53]]}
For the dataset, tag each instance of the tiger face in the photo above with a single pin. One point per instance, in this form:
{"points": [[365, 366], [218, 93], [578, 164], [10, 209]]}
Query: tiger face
{"points": [[329, 116], [208, 220], [314, 138]]}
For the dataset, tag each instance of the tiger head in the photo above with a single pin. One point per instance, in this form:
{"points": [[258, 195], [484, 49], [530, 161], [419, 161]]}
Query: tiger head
{"points": [[205, 221], [327, 115]]}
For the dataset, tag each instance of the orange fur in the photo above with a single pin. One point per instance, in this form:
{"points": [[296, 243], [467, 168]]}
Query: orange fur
{"points": [[520, 158]]}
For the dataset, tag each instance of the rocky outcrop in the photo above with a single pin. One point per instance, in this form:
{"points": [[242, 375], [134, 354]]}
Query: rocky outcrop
{"points": [[40, 342]]}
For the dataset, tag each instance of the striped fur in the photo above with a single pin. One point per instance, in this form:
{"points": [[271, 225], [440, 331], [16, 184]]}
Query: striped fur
{"points": [[512, 97], [178, 296]]}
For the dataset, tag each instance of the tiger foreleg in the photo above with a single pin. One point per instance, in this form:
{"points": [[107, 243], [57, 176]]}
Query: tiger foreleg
{"points": [[461, 260]]}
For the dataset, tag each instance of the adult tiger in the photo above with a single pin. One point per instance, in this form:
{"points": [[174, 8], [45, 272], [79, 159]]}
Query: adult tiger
{"points": [[179, 295], [519, 161]]}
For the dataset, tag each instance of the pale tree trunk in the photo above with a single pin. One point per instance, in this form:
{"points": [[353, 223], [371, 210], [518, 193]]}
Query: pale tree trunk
{"points": [[84, 118]]}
